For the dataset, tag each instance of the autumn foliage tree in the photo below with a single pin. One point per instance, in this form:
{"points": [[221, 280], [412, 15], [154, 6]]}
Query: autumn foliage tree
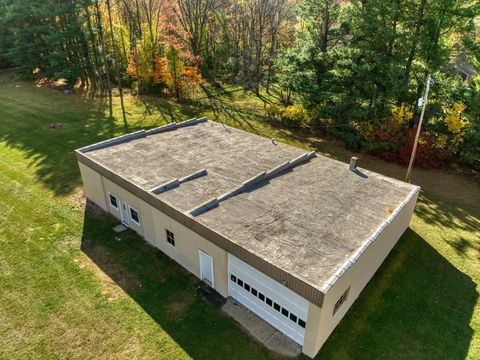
{"points": [[165, 60]]}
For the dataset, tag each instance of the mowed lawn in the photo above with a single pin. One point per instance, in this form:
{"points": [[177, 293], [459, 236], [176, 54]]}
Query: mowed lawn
{"points": [[71, 288]]}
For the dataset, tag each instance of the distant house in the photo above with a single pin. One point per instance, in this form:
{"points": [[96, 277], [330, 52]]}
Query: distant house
{"points": [[291, 235], [465, 70]]}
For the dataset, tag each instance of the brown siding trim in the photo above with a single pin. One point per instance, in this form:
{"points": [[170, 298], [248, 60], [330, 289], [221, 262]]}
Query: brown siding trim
{"points": [[293, 283]]}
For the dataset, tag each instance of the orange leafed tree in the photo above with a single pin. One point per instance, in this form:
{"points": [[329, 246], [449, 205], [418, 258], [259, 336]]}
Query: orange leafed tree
{"points": [[175, 67]]}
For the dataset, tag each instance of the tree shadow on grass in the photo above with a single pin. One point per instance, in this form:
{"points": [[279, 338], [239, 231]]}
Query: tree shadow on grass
{"points": [[417, 306], [165, 291], [25, 115], [445, 214]]}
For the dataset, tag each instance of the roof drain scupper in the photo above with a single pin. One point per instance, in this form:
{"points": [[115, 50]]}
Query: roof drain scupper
{"points": [[264, 175]]}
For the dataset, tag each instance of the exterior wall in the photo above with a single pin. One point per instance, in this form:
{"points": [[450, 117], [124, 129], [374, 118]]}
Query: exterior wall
{"points": [[321, 321], [92, 182], [152, 227], [185, 251]]}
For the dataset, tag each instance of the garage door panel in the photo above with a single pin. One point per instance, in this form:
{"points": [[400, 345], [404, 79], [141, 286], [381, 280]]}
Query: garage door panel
{"points": [[273, 289], [273, 302]]}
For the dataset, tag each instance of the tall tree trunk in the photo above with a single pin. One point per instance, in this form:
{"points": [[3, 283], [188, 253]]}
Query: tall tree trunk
{"points": [[106, 66], [325, 27], [93, 39], [115, 60]]}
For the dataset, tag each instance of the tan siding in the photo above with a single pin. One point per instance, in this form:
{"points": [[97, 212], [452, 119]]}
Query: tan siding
{"points": [[92, 182], [187, 243], [185, 251]]}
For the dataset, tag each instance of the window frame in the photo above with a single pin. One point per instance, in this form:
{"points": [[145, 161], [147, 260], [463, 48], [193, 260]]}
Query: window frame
{"points": [[341, 300], [170, 239], [110, 196], [277, 305], [130, 215]]}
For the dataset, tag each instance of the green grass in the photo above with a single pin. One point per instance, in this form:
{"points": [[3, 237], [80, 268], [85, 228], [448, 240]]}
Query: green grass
{"points": [[70, 289]]}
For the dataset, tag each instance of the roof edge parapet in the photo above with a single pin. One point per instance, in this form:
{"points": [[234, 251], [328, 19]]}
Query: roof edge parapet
{"points": [[141, 134]]}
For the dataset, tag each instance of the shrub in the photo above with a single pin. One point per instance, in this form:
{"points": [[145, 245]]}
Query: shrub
{"points": [[273, 112], [293, 116], [469, 153], [353, 141]]}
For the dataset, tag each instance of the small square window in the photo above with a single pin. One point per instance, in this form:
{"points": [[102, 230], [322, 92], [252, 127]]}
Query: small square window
{"points": [[240, 282], [233, 278], [276, 307], [284, 312], [254, 292], [246, 286], [293, 317], [261, 296], [269, 301], [134, 216], [113, 201], [302, 323], [170, 237]]}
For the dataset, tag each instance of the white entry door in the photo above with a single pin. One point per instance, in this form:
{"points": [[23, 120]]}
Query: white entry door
{"points": [[272, 301], [206, 268], [124, 212]]}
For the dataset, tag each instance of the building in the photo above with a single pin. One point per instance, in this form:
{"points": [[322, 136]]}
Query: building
{"points": [[291, 235]]}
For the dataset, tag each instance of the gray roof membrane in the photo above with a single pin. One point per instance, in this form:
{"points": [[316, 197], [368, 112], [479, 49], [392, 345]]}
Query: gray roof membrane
{"points": [[306, 214]]}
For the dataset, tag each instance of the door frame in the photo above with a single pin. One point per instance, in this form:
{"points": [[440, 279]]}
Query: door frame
{"points": [[124, 212], [202, 257]]}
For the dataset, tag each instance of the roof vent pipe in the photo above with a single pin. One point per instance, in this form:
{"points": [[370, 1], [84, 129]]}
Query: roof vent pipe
{"points": [[353, 163]]}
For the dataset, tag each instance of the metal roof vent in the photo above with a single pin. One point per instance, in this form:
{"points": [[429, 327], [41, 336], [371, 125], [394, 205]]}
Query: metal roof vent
{"points": [[353, 163]]}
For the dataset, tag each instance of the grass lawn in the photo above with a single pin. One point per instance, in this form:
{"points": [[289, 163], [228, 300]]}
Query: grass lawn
{"points": [[69, 288]]}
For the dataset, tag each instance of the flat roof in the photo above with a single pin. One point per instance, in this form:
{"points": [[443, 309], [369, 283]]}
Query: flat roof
{"points": [[306, 218]]}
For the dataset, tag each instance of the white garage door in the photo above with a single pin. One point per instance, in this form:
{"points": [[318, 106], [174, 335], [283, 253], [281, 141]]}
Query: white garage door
{"points": [[273, 302]]}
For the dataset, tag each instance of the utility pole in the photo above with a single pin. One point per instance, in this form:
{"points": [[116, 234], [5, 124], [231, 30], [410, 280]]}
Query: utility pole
{"points": [[408, 178]]}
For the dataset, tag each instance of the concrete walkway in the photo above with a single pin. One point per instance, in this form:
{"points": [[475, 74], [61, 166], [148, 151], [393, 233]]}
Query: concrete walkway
{"points": [[262, 331]]}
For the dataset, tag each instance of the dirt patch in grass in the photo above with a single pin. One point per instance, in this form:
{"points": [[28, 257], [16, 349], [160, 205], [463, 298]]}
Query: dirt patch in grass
{"points": [[77, 198], [113, 277]]}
